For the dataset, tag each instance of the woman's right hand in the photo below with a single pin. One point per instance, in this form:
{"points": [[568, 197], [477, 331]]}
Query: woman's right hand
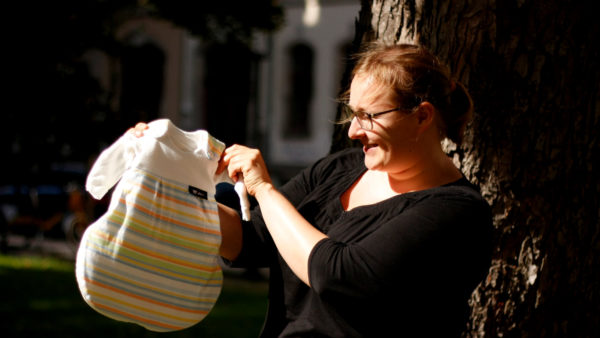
{"points": [[138, 130], [249, 163]]}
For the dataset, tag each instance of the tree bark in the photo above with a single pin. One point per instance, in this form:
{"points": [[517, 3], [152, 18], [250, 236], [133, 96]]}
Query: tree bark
{"points": [[532, 69]]}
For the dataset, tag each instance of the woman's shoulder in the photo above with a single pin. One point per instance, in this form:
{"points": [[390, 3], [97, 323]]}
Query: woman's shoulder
{"points": [[462, 186], [345, 158], [456, 197], [334, 166]]}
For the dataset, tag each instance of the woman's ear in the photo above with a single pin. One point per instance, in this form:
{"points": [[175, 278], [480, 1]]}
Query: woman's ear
{"points": [[425, 115]]}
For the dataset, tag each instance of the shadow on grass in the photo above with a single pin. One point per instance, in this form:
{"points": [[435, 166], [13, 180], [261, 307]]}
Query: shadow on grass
{"points": [[39, 297]]}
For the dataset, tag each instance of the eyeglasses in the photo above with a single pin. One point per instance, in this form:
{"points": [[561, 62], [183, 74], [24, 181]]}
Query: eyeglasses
{"points": [[365, 120]]}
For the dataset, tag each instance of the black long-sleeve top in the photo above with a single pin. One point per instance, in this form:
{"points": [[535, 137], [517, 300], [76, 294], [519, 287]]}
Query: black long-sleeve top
{"points": [[403, 267]]}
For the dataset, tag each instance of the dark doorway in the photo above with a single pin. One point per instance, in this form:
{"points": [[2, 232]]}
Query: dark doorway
{"points": [[300, 90]]}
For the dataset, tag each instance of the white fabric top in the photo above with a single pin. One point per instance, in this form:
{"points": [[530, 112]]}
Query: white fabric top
{"points": [[167, 151]]}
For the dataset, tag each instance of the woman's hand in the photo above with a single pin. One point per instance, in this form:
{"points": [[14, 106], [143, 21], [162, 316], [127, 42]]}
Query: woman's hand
{"points": [[138, 130], [248, 163], [293, 235]]}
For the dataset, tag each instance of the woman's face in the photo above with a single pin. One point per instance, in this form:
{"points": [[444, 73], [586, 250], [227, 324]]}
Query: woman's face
{"points": [[390, 145]]}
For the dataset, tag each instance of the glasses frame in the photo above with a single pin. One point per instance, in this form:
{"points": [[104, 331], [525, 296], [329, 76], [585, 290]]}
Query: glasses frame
{"points": [[364, 117]]}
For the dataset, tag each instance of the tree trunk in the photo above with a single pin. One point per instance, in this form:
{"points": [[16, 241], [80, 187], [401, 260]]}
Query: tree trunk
{"points": [[531, 66]]}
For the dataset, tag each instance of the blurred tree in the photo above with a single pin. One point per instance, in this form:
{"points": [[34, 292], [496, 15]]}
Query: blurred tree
{"points": [[532, 68], [56, 111], [231, 21]]}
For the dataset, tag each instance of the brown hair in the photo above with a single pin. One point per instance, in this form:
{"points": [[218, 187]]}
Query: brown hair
{"points": [[416, 75]]}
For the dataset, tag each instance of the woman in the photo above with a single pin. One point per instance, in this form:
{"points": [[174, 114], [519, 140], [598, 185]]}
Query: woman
{"points": [[387, 240]]}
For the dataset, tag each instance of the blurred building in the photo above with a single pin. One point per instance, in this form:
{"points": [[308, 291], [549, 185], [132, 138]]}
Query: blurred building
{"points": [[280, 96]]}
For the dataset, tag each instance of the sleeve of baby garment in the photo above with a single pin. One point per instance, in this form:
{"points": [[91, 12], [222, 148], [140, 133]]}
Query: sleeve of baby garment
{"points": [[110, 166]]}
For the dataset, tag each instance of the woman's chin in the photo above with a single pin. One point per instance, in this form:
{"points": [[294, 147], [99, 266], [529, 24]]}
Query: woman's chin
{"points": [[372, 163]]}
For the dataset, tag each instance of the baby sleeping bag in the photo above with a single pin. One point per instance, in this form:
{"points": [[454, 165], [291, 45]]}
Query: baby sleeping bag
{"points": [[152, 258]]}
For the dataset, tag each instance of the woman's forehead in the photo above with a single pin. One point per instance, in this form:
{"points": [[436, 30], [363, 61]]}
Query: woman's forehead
{"points": [[366, 91]]}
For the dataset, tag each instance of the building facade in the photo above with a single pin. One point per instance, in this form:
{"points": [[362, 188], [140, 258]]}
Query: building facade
{"points": [[280, 96]]}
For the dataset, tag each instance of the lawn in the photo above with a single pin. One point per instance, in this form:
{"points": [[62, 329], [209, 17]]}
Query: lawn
{"points": [[40, 298]]}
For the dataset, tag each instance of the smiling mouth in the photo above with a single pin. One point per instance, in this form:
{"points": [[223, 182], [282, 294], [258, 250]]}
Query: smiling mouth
{"points": [[369, 146]]}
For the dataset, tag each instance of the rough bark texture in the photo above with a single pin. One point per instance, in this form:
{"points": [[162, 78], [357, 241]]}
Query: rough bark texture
{"points": [[532, 68]]}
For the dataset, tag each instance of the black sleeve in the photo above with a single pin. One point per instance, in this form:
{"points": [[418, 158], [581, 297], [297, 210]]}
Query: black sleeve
{"points": [[258, 248], [302, 184], [439, 237]]}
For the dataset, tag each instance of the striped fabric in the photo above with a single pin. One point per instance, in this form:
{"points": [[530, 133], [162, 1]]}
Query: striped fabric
{"points": [[152, 258]]}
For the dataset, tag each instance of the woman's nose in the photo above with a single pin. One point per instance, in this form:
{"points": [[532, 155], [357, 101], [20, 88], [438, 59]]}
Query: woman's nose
{"points": [[355, 131]]}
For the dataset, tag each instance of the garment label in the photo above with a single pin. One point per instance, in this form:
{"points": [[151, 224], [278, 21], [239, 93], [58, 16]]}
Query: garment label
{"points": [[198, 192]]}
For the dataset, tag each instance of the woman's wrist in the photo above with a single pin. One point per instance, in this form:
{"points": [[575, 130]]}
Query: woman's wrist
{"points": [[262, 190]]}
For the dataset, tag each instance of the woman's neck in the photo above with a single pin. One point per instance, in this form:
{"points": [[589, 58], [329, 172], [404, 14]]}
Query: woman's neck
{"points": [[375, 186], [428, 172]]}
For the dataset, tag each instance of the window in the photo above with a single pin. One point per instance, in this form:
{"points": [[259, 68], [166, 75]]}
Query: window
{"points": [[300, 85]]}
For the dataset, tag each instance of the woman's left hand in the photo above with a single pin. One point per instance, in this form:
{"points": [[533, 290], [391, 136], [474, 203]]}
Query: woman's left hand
{"points": [[249, 163]]}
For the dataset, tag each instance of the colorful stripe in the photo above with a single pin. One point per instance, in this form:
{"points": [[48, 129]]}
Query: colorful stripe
{"points": [[159, 260], [152, 259], [215, 146], [167, 238], [171, 193], [152, 289]]}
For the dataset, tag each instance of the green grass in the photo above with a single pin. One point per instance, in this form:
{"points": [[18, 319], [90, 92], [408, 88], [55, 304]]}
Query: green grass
{"points": [[39, 297]]}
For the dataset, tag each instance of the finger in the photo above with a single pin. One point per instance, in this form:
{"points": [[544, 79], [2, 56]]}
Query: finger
{"points": [[234, 151], [234, 170], [139, 129], [141, 126], [238, 159]]}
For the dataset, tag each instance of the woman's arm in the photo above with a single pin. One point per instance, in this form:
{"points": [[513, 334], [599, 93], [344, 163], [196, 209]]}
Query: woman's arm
{"points": [[231, 232], [292, 234]]}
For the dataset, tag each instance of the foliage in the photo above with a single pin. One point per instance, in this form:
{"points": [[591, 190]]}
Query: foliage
{"points": [[216, 22]]}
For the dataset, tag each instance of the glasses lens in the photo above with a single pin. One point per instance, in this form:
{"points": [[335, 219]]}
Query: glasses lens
{"points": [[364, 120]]}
